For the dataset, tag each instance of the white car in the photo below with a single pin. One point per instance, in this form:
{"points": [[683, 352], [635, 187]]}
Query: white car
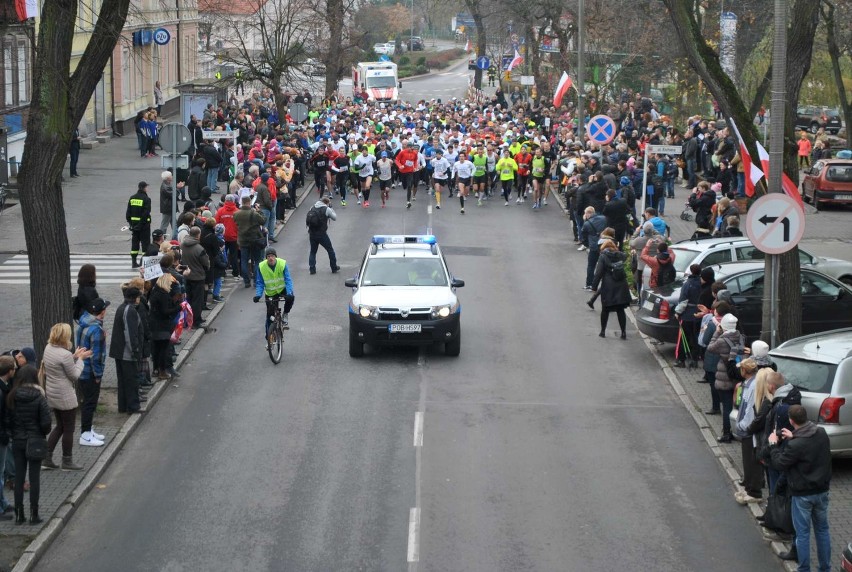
{"points": [[404, 294], [387, 49]]}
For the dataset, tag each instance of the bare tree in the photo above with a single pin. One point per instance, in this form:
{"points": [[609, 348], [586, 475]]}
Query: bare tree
{"points": [[58, 103], [836, 38]]}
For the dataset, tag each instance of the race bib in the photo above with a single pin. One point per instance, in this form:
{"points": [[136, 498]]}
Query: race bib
{"points": [[409, 163]]}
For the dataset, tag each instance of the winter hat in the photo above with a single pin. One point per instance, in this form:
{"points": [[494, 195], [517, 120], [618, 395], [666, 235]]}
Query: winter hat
{"points": [[708, 275], [30, 354], [625, 181], [716, 187], [220, 228], [725, 296], [759, 349], [729, 323]]}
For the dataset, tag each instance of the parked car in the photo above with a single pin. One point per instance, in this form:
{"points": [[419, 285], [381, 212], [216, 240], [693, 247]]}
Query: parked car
{"points": [[386, 48], [471, 62], [820, 365], [415, 44], [828, 181], [813, 117], [826, 302], [724, 250]]}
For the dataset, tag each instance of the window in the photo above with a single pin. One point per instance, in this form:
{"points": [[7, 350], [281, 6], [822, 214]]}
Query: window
{"points": [[814, 376], [749, 253], [720, 256], [815, 285], [14, 62], [126, 68], [839, 173], [750, 285], [404, 272]]}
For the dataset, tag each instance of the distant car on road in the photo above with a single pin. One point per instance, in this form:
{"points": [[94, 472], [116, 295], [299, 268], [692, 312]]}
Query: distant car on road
{"points": [[385, 48], [404, 294], [820, 365], [471, 62], [828, 181], [826, 302], [812, 118], [415, 44]]}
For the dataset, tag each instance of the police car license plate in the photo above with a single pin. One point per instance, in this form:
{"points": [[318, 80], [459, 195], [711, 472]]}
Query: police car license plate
{"points": [[404, 328]]}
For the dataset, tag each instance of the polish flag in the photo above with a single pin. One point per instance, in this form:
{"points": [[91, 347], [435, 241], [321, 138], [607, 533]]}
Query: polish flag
{"points": [[561, 89], [467, 45], [26, 9], [516, 61], [753, 172], [789, 186]]}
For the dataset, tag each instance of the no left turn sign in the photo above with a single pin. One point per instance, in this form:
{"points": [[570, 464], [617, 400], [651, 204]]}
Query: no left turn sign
{"points": [[775, 223]]}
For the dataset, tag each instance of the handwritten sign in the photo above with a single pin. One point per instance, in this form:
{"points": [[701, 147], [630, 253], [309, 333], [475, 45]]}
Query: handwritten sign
{"points": [[151, 269]]}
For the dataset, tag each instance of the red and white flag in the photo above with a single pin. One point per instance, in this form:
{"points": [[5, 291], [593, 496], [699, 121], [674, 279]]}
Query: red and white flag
{"points": [[467, 45], [516, 61], [752, 171], [561, 89], [789, 186], [26, 9]]}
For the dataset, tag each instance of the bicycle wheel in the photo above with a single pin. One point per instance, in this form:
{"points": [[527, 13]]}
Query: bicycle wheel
{"points": [[276, 344]]}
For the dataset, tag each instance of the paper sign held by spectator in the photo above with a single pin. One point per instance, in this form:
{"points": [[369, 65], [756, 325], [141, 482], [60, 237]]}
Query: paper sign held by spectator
{"points": [[151, 269]]}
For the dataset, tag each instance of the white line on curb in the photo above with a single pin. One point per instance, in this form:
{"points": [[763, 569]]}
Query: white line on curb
{"points": [[418, 429]]}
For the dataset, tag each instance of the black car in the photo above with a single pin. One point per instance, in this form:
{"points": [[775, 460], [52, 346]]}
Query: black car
{"points": [[415, 44], [826, 302], [812, 117]]}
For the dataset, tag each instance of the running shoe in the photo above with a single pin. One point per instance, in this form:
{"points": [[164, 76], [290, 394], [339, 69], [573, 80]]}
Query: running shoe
{"points": [[343, 203], [366, 204], [408, 205]]}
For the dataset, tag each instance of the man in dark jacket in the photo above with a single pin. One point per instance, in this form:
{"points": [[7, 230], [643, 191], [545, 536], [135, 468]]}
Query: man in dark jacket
{"points": [[212, 160], [166, 200], [138, 216], [687, 307], [690, 156], [318, 235], [806, 460], [702, 202], [7, 372], [615, 210], [197, 134], [596, 192], [195, 258], [249, 222], [128, 337], [590, 233]]}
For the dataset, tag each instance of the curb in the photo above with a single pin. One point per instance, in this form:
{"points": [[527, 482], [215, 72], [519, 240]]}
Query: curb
{"points": [[39, 545], [703, 425]]}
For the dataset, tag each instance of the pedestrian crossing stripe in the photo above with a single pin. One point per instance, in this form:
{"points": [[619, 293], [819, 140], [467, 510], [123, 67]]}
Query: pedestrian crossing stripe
{"points": [[111, 268]]}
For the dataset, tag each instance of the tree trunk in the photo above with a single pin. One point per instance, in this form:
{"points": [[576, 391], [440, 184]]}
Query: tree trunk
{"points": [[481, 40], [834, 53], [761, 92], [334, 11], [58, 104]]}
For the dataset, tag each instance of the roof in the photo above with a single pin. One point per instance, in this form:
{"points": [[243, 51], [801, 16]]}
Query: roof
{"points": [[403, 250], [828, 347], [232, 7], [707, 243]]}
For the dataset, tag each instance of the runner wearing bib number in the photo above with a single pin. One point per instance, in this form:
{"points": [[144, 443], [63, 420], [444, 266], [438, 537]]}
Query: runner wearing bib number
{"points": [[506, 169], [540, 170], [480, 178], [440, 172], [463, 169]]}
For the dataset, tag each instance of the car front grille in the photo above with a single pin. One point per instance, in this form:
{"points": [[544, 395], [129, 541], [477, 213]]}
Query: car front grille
{"points": [[414, 315]]}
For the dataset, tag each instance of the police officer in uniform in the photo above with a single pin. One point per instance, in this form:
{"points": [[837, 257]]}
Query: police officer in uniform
{"points": [[492, 75], [139, 218]]}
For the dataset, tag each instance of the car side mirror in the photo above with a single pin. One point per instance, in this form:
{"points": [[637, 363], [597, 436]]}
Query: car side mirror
{"points": [[457, 283], [351, 283]]}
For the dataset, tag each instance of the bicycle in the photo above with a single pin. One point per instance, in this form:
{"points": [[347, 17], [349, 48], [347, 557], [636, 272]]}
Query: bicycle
{"points": [[275, 331]]}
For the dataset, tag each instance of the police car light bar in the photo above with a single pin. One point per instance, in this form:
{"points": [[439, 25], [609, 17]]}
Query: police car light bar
{"points": [[404, 239]]}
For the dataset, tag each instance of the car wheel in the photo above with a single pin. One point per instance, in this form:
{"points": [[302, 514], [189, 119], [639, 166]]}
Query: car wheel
{"points": [[814, 127], [846, 280], [356, 346], [805, 196], [453, 348], [816, 199]]}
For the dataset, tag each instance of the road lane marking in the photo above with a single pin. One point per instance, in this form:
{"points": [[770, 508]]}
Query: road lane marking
{"points": [[418, 429], [429, 210], [414, 535]]}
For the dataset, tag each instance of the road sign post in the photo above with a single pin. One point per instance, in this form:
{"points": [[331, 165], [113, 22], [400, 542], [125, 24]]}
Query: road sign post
{"points": [[483, 63], [659, 150]]}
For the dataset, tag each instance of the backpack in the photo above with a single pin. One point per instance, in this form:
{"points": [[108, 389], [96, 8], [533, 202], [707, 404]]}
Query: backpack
{"points": [[316, 219], [666, 274], [616, 271], [734, 359], [671, 170]]}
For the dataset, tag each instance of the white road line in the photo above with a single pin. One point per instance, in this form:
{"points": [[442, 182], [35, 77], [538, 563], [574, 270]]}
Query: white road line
{"points": [[429, 209], [414, 535], [418, 429]]}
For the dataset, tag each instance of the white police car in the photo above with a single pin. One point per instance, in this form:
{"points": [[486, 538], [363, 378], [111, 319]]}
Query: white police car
{"points": [[404, 294]]}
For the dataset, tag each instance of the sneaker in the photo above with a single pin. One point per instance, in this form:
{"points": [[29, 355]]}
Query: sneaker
{"points": [[366, 204], [582, 247], [437, 206], [88, 440], [479, 202], [342, 203], [383, 205], [744, 498], [96, 435], [408, 205], [218, 299], [544, 202], [462, 211], [506, 204], [535, 205], [518, 201], [589, 288], [285, 321]]}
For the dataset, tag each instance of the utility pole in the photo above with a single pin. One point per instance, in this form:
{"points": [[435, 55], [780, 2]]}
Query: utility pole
{"points": [[581, 90], [778, 106]]}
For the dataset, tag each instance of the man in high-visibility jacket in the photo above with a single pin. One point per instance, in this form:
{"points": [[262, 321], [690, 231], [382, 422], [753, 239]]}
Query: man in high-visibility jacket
{"points": [[138, 217], [273, 279]]}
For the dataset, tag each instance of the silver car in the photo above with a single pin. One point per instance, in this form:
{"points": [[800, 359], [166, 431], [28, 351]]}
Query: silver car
{"points": [[820, 365]]}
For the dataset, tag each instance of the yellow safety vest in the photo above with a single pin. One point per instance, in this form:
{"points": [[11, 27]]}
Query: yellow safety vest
{"points": [[273, 278]]}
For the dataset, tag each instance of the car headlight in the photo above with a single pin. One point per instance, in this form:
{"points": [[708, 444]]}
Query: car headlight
{"points": [[371, 312], [443, 311]]}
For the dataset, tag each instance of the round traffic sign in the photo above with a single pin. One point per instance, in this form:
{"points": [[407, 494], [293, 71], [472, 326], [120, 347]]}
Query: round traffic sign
{"points": [[299, 112], [175, 138], [483, 63], [162, 36], [601, 129], [775, 223]]}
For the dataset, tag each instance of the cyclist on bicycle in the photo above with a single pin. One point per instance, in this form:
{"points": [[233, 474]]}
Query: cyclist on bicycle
{"points": [[273, 279]]}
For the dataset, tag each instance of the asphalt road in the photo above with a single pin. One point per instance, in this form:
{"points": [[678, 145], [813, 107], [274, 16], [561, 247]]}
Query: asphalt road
{"points": [[445, 84], [544, 447]]}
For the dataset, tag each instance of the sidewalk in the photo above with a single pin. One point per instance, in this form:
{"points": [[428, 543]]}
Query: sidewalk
{"points": [[696, 396], [90, 198]]}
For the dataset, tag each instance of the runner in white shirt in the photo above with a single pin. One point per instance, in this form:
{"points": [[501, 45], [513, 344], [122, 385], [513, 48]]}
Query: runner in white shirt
{"points": [[364, 165], [440, 173], [384, 167], [463, 170]]}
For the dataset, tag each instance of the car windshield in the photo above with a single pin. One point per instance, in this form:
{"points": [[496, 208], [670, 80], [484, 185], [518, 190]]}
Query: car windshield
{"points": [[813, 376], [404, 272], [381, 81], [683, 258], [839, 173]]}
